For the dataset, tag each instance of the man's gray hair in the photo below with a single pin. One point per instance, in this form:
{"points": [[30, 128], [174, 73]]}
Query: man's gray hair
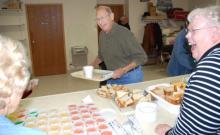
{"points": [[106, 8], [211, 14]]}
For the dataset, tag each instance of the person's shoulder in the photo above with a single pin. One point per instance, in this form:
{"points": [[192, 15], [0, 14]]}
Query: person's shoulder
{"points": [[4, 121], [121, 28], [182, 33], [19, 130]]}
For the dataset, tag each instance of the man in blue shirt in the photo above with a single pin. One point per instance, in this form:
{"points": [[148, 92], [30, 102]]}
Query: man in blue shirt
{"points": [[181, 61]]}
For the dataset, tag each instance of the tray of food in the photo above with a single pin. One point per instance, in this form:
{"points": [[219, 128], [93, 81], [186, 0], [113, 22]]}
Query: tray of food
{"points": [[122, 97], [169, 96], [98, 75]]}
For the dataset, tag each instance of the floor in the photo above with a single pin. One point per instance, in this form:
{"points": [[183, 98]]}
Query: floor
{"points": [[64, 83]]}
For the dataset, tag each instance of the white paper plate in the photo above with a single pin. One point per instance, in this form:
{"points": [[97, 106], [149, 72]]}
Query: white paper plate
{"points": [[108, 113], [162, 102]]}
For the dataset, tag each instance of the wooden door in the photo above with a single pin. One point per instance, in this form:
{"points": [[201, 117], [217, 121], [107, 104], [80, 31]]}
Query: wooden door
{"points": [[46, 34], [118, 11]]}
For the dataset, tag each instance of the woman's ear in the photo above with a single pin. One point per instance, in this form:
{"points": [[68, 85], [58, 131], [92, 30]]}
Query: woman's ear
{"points": [[2, 104], [215, 34]]}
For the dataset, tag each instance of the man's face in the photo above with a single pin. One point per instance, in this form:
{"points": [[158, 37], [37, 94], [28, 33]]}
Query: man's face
{"points": [[199, 37], [104, 20]]}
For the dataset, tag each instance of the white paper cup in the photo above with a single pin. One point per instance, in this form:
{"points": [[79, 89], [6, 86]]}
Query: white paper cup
{"points": [[146, 112], [88, 71]]}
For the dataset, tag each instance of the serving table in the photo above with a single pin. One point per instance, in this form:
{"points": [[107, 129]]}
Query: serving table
{"points": [[65, 99]]}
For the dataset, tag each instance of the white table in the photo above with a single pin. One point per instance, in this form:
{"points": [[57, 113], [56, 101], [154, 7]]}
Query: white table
{"points": [[65, 99]]}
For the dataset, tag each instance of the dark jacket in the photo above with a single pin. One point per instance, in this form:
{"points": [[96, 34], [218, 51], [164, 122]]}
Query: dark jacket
{"points": [[181, 61]]}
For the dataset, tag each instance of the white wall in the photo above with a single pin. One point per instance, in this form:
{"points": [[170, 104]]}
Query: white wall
{"points": [[79, 24]]}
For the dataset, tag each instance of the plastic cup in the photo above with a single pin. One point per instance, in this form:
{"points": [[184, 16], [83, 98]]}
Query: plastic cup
{"points": [[90, 122], [75, 117], [100, 120], [88, 71], [54, 132], [107, 132], [103, 126], [86, 116], [92, 131], [67, 132], [146, 112], [54, 127], [67, 126], [78, 131], [78, 123]]}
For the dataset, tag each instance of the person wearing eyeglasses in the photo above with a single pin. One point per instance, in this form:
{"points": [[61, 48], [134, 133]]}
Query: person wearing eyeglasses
{"points": [[181, 61], [14, 77], [119, 49], [200, 108]]}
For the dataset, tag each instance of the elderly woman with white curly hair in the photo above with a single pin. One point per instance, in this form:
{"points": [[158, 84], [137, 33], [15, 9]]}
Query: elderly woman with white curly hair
{"points": [[200, 108], [14, 77]]}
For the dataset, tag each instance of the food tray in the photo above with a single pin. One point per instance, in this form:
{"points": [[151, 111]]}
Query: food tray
{"points": [[98, 75], [162, 102]]}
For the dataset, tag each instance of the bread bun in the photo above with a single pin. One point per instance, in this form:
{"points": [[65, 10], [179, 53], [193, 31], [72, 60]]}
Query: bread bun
{"points": [[168, 90], [124, 101], [158, 91], [173, 100]]}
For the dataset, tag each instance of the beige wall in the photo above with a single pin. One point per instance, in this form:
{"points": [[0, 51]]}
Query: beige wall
{"points": [[136, 9], [79, 24], [202, 3], [110, 1]]}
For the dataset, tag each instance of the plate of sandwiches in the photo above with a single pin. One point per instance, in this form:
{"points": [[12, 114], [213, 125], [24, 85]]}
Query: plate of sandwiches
{"points": [[169, 96], [124, 98], [109, 91]]}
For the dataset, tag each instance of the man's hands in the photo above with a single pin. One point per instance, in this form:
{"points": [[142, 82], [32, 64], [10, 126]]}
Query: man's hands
{"points": [[96, 62], [161, 129], [118, 73]]}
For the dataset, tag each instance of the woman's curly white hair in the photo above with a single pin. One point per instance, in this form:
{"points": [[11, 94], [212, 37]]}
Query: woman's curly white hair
{"points": [[14, 73]]}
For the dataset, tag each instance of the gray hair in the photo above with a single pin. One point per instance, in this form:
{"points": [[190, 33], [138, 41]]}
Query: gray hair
{"points": [[106, 8], [14, 72], [211, 14]]}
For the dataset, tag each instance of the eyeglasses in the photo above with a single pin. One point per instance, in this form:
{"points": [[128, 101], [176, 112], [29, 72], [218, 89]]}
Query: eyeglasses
{"points": [[102, 18], [194, 30]]}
